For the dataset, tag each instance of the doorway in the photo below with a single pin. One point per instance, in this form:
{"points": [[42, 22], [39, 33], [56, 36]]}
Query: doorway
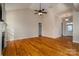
{"points": [[39, 29], [67, 26]]}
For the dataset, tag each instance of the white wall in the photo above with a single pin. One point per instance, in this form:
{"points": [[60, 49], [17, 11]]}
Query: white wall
{"points": [[51, 24], [22, 23], [76, 26]]}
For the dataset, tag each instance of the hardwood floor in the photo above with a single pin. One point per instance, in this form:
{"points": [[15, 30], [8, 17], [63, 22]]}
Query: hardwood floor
{"points": [[41, 46]]}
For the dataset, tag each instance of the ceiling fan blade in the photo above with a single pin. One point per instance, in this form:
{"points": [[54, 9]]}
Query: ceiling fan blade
{"points": [[44, 12], [35, 10], [35, 13]]}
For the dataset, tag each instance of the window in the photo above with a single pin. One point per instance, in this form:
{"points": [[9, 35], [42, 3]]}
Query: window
{"points": [[69, 28]]}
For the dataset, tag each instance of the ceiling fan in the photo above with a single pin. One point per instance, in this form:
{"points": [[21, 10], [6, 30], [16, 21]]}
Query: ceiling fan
{"points": [[40, 11]]}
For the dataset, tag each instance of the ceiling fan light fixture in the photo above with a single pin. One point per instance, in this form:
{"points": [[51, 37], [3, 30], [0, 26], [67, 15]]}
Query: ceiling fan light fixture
{"points": [[40, 13], [67, 19]]}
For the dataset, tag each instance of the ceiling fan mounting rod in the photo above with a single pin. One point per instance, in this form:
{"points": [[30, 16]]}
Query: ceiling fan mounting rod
{"points": [[40, 6]]}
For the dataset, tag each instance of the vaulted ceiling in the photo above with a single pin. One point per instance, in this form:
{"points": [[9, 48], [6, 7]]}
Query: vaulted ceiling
{"points": [[59, 7], [12, 6]]}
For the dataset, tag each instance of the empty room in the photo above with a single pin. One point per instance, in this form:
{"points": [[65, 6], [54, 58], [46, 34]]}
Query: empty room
{"points": [[39, 29]]}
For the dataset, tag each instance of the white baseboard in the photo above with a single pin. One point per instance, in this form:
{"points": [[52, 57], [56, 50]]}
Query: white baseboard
{"points": [[75, 41], [52, 36], [21, 38]]}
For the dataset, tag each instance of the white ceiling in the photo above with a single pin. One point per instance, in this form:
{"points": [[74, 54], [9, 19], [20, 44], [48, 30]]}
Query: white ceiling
{"points": [[13, 6], [76, 6]]}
